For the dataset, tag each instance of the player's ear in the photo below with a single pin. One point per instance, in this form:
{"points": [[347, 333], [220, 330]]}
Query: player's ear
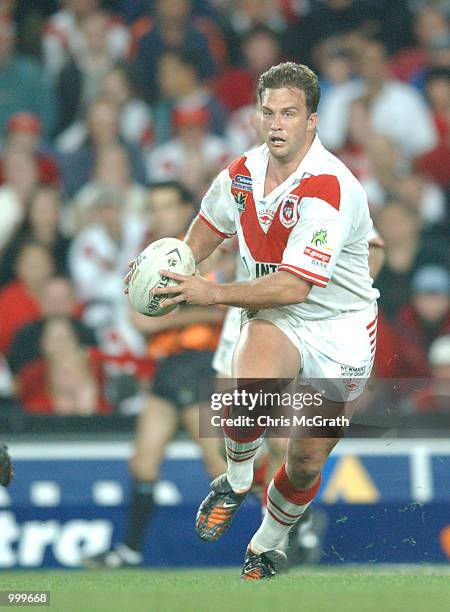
{"points": [[312, 122]]}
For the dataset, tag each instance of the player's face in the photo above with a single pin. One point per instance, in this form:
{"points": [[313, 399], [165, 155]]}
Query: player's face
{"points": [[286, 124]]}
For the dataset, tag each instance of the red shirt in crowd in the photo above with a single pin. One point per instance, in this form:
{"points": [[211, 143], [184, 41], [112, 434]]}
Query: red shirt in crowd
{"points": [[17, 307]]}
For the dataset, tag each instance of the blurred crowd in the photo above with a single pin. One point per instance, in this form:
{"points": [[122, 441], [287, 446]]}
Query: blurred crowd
{"points": [[114, 118]]}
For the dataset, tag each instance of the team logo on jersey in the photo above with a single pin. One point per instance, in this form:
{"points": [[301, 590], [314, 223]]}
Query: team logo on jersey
{"points": [[319, 238], [241, 200], [241, 181], [288, 210], [265, 216], [351, 385]]}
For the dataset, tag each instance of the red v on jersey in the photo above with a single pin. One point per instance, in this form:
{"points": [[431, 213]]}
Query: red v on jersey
{"points": [[268, 246]]}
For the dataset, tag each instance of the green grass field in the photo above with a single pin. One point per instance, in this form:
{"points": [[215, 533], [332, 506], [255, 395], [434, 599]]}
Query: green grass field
{"points": [[384, 589]]}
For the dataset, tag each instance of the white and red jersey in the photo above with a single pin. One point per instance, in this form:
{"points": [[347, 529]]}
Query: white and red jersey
{"points": [[314, 225]]}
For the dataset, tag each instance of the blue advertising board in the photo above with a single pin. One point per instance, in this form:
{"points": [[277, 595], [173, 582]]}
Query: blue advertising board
{"points": [[384, 502]]}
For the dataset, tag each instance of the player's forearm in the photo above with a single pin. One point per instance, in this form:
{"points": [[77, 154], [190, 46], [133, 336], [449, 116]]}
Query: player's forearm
{"points": [[202, 240], [279, 289]]}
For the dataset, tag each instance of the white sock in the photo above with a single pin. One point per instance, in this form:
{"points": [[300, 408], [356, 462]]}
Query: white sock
{"points": [[240, 459], [272, 534], [285, 506]]}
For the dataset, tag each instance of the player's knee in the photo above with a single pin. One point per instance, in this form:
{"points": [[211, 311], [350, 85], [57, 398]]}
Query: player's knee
{"points": [[302, 471]]}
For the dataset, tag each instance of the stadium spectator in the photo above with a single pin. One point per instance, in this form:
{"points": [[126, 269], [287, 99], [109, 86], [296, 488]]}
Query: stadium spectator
{"points": [[21, 177], [7, 388], [426, 197], [24, 132], [394, 107], [406, 250], [248, 14], [243, 17], [41, 223], [23, 80], [64, 37], [335, 64], [112, 170], [19, 299], [182, 342], [343, 17], [57, 299], [173, 29], [98, 258], [80, 80], [438, 58], [195, 156], [361, 140], [242, 130], [30, 17], [77, 154], [63, 381], [136, 121], [235, 86], [181, 88], [422, 320], [429, 24], [435, 396], [436, 163], [387, 176]]}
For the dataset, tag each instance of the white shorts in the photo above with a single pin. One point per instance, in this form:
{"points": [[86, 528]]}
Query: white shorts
{"points": [[223, 357], [337, 354]]}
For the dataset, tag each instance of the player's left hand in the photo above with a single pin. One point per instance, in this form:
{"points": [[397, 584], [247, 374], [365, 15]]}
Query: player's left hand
{"points": [[194, 290]]}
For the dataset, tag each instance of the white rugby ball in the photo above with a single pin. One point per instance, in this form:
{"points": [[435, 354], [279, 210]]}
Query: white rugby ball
{"points": [[164, 254]]}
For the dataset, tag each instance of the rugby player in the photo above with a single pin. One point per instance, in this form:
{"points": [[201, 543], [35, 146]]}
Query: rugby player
{"points": [[308, 308]]}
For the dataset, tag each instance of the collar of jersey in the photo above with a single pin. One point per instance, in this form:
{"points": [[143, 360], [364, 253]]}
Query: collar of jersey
{"points": [[257, 160]]}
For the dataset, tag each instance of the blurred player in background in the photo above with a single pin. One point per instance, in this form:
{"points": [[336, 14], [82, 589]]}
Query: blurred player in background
{"points": [[6, 468], [302, 221], [183, 345]]}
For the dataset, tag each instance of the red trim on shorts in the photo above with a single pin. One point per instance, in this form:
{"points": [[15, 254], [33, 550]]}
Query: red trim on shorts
{"points": [[289, 492], [211, 226], [372, 322]]}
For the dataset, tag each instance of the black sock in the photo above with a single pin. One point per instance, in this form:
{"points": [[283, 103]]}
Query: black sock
{"points": [[141, 506]]}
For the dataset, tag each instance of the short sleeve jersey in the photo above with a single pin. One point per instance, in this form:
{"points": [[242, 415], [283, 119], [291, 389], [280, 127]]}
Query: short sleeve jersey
{"points": [[315, 225]]}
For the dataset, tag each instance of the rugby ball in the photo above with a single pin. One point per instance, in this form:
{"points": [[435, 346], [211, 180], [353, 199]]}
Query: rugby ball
{"points": [[164, 254]]}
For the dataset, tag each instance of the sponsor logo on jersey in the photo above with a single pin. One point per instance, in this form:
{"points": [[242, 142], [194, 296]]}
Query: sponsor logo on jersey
{"points": [[263, 269], [288, 210], [317, 255], [241, 181], [319, 237], [265, 216], [352, 371], [241, 200]]}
